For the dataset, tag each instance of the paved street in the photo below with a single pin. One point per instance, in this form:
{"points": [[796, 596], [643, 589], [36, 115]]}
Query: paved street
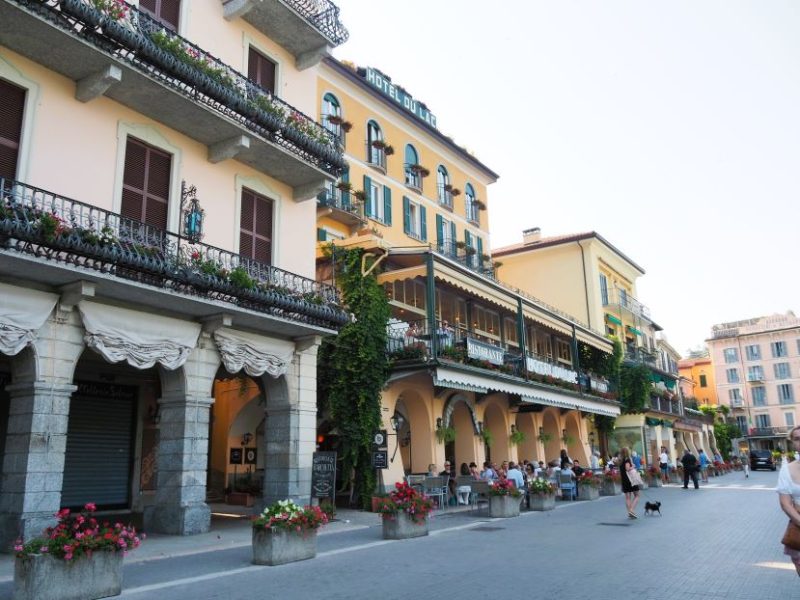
{"points": [[718, 542]]}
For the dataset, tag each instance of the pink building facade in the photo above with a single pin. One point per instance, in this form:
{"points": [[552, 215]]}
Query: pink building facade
{"points": [[757, 372]]}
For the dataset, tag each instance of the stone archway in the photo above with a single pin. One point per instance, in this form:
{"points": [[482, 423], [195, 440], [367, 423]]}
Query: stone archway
{"points": [[420, 435], [496, 423], [459, 413], [576, 448], [528, 449], [551, 430]]}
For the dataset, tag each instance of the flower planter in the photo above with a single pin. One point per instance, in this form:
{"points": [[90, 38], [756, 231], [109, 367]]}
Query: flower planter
{"points": [[611, 488], [543, 501], [43, 577], [655, 482], [401, 527], [504, 507], [82, 11], [587, 492], [279, 546]]}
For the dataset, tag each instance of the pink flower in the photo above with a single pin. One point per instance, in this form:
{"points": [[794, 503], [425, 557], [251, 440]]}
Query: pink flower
{"points": [[91, 507], [18, 548]]}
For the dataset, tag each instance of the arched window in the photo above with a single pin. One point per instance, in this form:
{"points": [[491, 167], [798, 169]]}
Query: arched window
{"points": [[413, 177], [375, 145], [332, 115], [443, 186], [469, 202]]}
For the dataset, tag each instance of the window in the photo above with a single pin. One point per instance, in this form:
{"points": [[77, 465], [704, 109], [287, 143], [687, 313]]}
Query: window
{"points": [[469, 203], [762, 421], [741, 423], [167, 12], [510, 330], [332, 115], [732, 375], [145, 184], [261, 70], [755, 373], [563, 349], [731, 355], [375, 145], [785, 393], [255, 227], [789, 416], [623, 297], [735, 396], [753, 352], [759, 396], [778, 349], [604, 289], [414, 220], [703, 381], [542, 343], [413, 176], [443, 187], [445, 236], [12, 109], [485, 320], [378, 203], [782, 370]]}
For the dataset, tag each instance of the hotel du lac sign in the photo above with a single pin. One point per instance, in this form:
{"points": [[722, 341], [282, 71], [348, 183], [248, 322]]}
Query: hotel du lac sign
{"points": [[383, 83]]}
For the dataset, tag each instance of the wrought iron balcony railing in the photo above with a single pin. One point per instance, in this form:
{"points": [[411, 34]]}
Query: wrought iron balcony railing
{"points": [[52, 227], [445, 196], [333, 197], [622, 298], [376, 156], [140, 41], [467, 256], [666, 405], [768, 431], [324, 15]]}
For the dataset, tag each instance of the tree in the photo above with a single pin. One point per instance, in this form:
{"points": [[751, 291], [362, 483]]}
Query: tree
{"points": [[353, 368]]}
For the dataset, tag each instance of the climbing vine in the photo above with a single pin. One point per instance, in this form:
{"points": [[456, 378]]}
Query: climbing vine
{"points": [[353, 368], [634, 388]]}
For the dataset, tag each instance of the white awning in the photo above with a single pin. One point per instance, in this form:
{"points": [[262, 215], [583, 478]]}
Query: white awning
{"points": [[253, 353], [22, 314], [457, 380]]}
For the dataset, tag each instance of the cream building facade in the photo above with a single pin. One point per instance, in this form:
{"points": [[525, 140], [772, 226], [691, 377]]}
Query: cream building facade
{"points": [[132, 355]]}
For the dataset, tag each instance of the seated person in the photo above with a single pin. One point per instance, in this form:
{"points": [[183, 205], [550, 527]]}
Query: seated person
{"points": [[451, 483], [577, 469], [488, 472], [515, 475], [463, 491]]}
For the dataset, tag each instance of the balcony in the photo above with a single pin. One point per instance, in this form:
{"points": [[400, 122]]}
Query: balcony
{"points": [[467, 256], [665, 405], [628, 303], [755, 378], [640, 356], [376, 156], [306, 28], [768, 431], [55, 241], [340, 206], [445, 196], [136, 62]]}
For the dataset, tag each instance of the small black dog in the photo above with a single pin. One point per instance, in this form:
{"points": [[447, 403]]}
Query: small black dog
{"points": [[652, 508]]}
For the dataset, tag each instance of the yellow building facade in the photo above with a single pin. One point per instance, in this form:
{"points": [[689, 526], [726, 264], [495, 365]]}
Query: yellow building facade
{"points": [[480, 371]]}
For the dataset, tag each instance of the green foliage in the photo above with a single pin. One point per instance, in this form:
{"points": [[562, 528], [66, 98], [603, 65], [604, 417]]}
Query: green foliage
{"points": [[488, 438], [241, 278], [724, 433], [599, 362], [634, 388], [446, 434], [707, 409], [353, 368], [517, 437], [544, 437]]}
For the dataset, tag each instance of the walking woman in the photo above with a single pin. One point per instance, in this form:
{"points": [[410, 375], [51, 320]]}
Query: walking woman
{"points": [[789, 493], [630, 491]]}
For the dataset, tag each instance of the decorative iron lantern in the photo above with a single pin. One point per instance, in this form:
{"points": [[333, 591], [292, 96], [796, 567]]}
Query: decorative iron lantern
{"points": [[192, 214]]}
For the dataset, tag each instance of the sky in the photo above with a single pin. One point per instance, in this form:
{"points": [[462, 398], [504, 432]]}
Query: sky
{"points": [[670, 128]]}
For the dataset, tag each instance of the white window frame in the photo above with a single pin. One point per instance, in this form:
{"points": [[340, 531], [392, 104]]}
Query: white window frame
{"points": [[753, 352], [376, 201], [732, 375], [785, 398], [789, 418], [782, 370], [731, 355], [415, 216], [759, 391]]}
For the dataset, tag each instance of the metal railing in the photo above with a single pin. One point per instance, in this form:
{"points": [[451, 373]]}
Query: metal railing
{"points": [[376, 156], [324, 16], [445, 196], [768, 431], [333, 197], [665, 405], [622, 298], [53, 227], [144, 43], [640, 355], [465, 255]]}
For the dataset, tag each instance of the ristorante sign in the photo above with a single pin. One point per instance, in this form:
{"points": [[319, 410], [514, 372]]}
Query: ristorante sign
{"points": [[545, 368], [400, 96], [480, 351]]}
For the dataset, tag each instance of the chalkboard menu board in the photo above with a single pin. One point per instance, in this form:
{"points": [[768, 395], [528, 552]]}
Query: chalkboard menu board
{"points": [[323, 475]]}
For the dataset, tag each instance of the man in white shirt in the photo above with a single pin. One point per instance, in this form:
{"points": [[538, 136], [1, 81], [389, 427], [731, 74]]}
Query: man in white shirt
{"points": [[515, 475], [663, 463]]}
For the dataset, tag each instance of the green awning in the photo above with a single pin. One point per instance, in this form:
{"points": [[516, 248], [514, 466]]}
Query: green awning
{"points": [[633, 329], [613, 319], [670, 383]]}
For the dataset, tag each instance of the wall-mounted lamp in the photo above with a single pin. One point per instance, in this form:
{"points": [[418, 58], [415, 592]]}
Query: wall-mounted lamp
{"points": [[438, 422], [397, 421], [591, 439], [513, 429], [480, 427], [246, 438], [563, 434], [541, 431]]}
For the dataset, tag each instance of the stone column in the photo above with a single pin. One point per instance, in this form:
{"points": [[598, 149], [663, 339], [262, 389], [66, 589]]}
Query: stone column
{"points": [[33, 468], [180, 507]]}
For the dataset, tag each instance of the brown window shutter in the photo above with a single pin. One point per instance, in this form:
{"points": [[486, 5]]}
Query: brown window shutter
{"points": [[261, 70], [145, 184], [12, 108], [255, 236], [166, 11]]}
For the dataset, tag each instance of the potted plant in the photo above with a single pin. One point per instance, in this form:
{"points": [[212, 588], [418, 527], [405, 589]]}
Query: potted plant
{"points": [[488, 437], [445, 434], [460, 244], [388, 150], [80, 555], [285, 533], [544, 437], [517, 437], [455, 192], [612, 484], [344, 186], [419, 170], [504, 499], [588, 486], [542, 494], [405, 513]]}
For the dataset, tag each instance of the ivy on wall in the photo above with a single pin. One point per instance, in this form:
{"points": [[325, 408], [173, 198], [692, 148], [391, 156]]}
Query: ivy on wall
{"points": [[353, 368]]}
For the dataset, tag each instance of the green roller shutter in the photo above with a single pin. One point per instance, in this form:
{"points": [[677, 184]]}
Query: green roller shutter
{"points": [[406, 215], [387, 205], [423, 224], [368, 196]]}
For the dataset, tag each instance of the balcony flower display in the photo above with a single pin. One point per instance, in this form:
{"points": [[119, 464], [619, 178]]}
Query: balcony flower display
{"points": [[285, 532]]}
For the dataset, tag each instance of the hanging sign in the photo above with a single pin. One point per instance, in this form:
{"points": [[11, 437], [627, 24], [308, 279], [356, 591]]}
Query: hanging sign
{"points": [[480, 351], [384, 84]]}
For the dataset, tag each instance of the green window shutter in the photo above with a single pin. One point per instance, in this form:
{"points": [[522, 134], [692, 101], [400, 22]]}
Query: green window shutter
{"points": [[406, 215], [467, 238], [439, 233], [367, 191], [423, 224], [453, 237], [480, 249], [387, 205], [322, 235], [346, 195]]}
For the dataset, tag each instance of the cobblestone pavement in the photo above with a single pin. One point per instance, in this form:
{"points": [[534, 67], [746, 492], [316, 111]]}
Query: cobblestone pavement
{"points": [[717, 542]]}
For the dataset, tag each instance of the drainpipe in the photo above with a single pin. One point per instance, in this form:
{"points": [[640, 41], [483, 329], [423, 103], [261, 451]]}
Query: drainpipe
{"points": [[431, 293], [521, 337], [585, 285]]}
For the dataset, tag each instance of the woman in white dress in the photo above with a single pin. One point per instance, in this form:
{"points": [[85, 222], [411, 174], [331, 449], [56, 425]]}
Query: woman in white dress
{"points": [[789, 493]]}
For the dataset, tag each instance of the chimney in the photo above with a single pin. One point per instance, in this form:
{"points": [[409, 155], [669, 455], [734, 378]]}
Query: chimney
{"points": [[531, 236]]}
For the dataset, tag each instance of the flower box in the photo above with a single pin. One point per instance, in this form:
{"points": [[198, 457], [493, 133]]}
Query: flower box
{"points": [[401, 527], [588, 492], [45, 577], [543, 501], [280, 546], [503, 507], [610, 488]]}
